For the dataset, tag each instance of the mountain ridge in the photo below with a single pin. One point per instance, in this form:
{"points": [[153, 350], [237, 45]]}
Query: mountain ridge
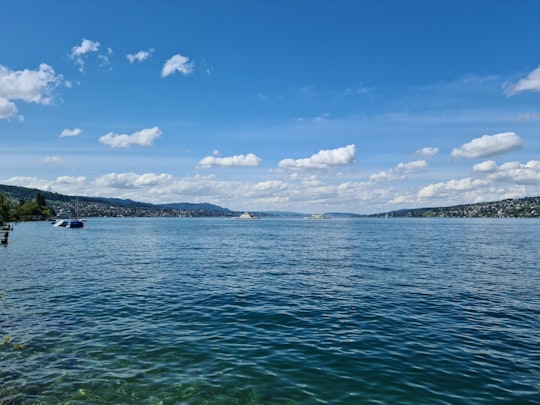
{"points": [[58, 201]]}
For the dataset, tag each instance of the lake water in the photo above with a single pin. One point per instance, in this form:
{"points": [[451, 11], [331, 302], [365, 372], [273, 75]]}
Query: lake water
{"points": [[271, 311]]}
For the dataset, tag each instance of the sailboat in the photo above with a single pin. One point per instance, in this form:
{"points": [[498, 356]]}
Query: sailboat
{"points": [[75, 223]]}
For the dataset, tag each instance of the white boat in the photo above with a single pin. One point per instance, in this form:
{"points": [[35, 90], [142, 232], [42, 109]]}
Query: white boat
{"points": [[61, 222], [316, 216], [245, 215]]}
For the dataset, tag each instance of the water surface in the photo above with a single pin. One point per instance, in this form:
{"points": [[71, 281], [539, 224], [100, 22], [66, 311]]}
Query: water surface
{"points": [[271, 311]]}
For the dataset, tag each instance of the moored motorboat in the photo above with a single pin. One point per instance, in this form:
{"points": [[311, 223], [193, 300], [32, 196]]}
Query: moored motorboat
{"points": [[61, 223]]}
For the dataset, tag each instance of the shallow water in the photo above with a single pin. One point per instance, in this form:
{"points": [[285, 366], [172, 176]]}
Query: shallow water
{"points": [[271, 311]]}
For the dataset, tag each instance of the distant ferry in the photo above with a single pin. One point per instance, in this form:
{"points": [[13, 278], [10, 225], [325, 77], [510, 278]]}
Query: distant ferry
{"points": [[245, 215], [316, 216]]}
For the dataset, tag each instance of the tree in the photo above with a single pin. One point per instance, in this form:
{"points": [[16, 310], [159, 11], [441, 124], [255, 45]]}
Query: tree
{"points": [[40, 200], [5, 209], [27, 210]]}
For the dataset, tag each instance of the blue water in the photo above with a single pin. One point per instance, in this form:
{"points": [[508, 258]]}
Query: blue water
{"points": [[271, 311]]}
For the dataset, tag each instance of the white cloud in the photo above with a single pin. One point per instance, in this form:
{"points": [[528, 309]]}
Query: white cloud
{"points": [[53, 159], [30, 182], [70, 132], [8, 109], [232, 161], [442, 190], [488, 145], [115, 180], [517, 173], [427, 152], [324, 159], [139, 56], [85, 47], [64, 184], [105, 61], [132, 180], [177, 63], [31, 86], [509, 180], [398, 172], [488, 166], [71, 180], [144, 137], [530, 83], [79, 52]]}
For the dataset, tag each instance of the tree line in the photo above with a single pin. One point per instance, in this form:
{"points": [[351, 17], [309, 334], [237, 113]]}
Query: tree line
{"points": [[23, 210]]}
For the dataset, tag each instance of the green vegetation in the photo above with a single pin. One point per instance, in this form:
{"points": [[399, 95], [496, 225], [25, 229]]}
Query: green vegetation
{"points": [[23, 210], [5, 209]]}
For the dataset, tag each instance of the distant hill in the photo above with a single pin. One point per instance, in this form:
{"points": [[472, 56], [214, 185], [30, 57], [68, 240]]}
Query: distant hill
{"points": [[96, 205], [24, 193], [528, 207]]}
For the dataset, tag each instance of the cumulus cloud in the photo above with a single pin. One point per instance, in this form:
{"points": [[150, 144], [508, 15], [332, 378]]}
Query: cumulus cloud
{"points": [[53, 159], [85, 47], [68, 184], [132, 180], [232, 161], [144, 137], [324, 159], [509, 180], [70, 132], [8, 109], [398, 172], [427, 152], [530, 83], [139, 56], [177, 63], [442, 189], [488, 166], [79, 52], [71, 180], [517, 173], [488, 145], [31, 86]]}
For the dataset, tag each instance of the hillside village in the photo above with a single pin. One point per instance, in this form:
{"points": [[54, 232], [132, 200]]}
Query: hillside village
{"points": [[88, 208]]}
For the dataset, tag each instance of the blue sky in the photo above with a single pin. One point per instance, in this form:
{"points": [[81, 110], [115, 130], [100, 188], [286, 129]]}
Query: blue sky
{"points": [[313, 106]]}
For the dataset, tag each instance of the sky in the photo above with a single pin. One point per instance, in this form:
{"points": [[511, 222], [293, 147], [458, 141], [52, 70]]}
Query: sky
{"points": [[359, 106]]}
